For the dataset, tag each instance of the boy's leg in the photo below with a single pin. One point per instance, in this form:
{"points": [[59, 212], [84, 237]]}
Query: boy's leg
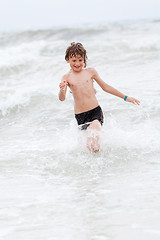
{"points": [[93, 136]]}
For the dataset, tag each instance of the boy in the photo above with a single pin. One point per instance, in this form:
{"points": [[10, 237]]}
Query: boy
{"points": [[80, 79]]}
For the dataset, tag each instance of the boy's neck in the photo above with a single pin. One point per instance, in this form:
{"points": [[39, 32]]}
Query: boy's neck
{"points": [[71, 70]]}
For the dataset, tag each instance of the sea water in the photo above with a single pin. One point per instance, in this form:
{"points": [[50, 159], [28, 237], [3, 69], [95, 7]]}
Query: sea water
{"points": [[51, 186]]}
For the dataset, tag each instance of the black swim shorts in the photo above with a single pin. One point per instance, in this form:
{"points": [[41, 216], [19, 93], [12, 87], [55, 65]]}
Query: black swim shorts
{"points": [[84, 119]]}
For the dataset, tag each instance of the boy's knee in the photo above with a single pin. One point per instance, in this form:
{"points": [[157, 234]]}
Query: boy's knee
{"points": [[93, 144]]}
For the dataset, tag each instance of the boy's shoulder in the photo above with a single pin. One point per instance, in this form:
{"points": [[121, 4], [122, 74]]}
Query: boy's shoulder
{"points": [[92, 71], [65, 76]]}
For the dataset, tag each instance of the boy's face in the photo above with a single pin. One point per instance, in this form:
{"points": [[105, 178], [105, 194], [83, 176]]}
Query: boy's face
{"points": [[76, 63]]}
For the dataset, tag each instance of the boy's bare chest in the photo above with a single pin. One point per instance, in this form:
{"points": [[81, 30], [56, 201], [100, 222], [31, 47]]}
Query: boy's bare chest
{"points": [[80, 82]]}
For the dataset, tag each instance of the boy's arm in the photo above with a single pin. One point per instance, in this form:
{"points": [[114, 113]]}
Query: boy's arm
{"points": [[63, 89], [111, 90]]}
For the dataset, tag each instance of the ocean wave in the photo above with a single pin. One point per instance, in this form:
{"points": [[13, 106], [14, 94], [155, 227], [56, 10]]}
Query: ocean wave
{"points": [[10, 39], [15, 59], [72, 32], [16, 102], [20, 54], [8, 71], [20, 48]]}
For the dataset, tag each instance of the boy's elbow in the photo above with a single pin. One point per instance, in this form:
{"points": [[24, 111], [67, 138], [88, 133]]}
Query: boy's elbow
{"points": [[61, 98], [105, 89]]}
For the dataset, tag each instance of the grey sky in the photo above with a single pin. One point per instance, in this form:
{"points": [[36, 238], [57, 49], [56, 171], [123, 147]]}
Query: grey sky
{"points": [[29, 14]]}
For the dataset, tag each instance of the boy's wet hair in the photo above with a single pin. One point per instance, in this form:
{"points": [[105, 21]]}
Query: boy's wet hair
{"points": [[76, 49]]}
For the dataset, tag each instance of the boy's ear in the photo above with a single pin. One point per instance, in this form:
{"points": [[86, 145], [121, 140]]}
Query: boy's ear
{"points": [[67, 60]]}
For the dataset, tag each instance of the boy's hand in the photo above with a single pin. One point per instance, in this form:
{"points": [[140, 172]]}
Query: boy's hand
{"points": [[133, 100], [63, 85]]}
